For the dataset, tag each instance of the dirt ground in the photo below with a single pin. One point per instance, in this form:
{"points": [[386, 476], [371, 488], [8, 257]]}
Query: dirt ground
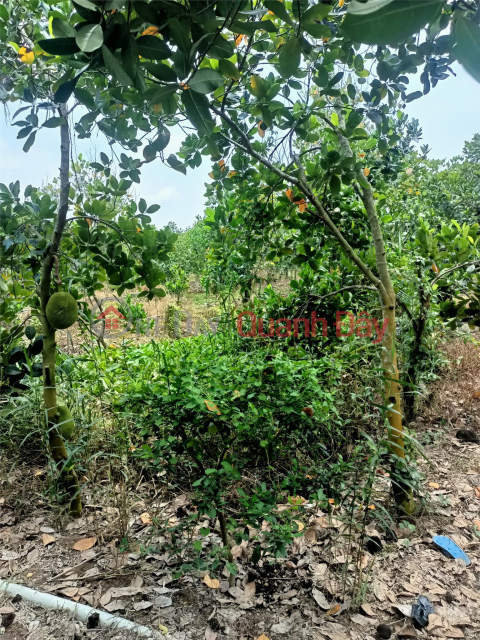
{"points": [[301, 596]]}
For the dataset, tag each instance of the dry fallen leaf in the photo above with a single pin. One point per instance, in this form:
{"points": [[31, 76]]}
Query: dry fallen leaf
{"points": [[105, 599], [300, 525], [146, 518], [434, 485], [210, 634], [311, 535], [366, 608], [84, 544], [320, 599], [477, 523], [213, 583], [263, 637], [142, 605], [69, 591], [333, 611], [250, 590], [477, 492], [47, 539]]}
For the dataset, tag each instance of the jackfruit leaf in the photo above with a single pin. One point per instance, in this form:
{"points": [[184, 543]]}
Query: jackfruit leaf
{"points": [[163, 139], [59, 46], [130, 61], [228, 69], [89, 38], [180, 35], [278, 9], [258, 86], [152, 48], [316, 12], [317, 30], [114, 67], [158, 95], [160, 71], [30, 140], [196, 107], [51, 123], [62, 29], [289, 57], [175, 163], [83, 96], [467, 50], [205, 81], [392, 22]]}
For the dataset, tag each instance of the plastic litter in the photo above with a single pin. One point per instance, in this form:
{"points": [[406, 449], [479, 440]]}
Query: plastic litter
{"points": [[450, 548], [421, 610]]}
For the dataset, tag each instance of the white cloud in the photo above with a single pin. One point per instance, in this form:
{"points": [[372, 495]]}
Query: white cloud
{"points": [[167, 193]]}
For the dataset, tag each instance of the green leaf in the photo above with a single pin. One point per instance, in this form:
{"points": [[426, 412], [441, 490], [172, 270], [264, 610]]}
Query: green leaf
{"points": [[83, 96], [89, 38], [232, 568], [258, 86], [413, 96], [205, 81], [65, 90], [160, 95], [115, 68], [23, 133], [220, 48], [317, 12], [175, 163], [130, 62], [59, 46], [163, 138], [335, 185], [51, 123], [354, 119], [392, 22], [278, 9], [160, 71], [30, 140], [4, 15], [317, 30], [383, 146], [152, 48], [62, 29], [467, 50], [196, 107], [289, 57], [86, 4], [228, 69], [180, 35]]}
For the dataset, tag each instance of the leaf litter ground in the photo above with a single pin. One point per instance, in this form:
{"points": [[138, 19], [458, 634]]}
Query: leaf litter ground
{"points": [[302, 596]]}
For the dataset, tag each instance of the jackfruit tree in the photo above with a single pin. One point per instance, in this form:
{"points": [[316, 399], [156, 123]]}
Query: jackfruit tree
{"points": [[298, 94]]}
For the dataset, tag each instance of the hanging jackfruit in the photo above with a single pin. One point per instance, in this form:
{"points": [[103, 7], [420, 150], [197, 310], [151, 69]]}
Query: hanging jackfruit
{"points": [[66, 425], [62, 310]]}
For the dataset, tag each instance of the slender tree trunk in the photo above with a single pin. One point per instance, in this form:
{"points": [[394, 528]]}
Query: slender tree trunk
{"points": [[58, 450], [383, 284]]}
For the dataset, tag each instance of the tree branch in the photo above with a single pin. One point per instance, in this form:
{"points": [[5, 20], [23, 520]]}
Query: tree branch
{"points": [[352, 286], [457, 266]]}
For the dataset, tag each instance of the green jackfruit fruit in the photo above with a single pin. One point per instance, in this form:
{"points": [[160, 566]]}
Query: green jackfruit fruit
{"points": [[66, 425], [62, 310]]}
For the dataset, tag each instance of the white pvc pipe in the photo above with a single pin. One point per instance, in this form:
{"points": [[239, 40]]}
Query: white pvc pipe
{"points": [[80, 611]]}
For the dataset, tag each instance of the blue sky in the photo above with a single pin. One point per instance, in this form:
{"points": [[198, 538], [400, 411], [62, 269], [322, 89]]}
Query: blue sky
{"points": [[448, 116]]}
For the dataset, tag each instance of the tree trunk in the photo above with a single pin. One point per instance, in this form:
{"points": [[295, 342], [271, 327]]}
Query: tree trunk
{"points": [[403, 494], [58, 450]]}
